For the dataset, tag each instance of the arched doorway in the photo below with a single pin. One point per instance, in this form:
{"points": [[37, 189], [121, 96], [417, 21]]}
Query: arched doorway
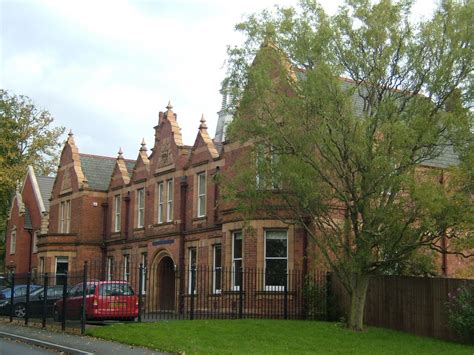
{"points": [[166, 284]]}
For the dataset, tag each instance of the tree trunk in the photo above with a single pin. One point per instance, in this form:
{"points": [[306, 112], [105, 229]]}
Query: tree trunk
{"points": [[359, 291]]}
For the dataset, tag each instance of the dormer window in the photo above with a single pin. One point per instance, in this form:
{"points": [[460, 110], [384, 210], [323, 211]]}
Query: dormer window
{"points": [[161, 202], [140, 208], [169, 200], [165, 201], [13, 242], [117, 210], [201, 194], [65, 216]]}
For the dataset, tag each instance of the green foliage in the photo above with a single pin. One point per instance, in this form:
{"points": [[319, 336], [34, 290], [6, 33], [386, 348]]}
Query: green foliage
{"points": [[352, 105], [26, 138], [461, 312]]}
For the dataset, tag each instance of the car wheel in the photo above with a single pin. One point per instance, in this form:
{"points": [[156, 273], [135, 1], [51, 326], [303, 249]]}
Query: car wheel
{"points": [[20, 310]]}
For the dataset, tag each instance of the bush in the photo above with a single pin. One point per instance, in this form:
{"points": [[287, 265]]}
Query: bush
{"points": [[461, 312]]}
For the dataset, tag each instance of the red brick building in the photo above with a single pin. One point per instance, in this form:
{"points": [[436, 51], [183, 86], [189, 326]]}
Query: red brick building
{"points": [[28, 218], [161, 209]]}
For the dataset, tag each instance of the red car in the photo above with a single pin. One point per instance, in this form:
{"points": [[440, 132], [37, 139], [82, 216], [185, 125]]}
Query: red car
{"points": [[104, 300]]}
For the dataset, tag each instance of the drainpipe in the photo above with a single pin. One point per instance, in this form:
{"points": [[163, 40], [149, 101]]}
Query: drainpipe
{"points": [[127, 213], [216, 194], [182, 230], [105, 209], [30, 233]]}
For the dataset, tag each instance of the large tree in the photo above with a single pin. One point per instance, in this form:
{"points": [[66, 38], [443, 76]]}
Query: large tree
{"points": [[343, 112], [26, 138]]}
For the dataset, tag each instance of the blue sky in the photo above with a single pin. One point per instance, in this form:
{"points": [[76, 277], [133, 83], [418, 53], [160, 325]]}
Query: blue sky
{"points": [[106, 68]]}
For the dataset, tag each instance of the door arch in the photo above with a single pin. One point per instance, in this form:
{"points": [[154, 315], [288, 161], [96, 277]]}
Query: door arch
{"points": [[166, 284]]}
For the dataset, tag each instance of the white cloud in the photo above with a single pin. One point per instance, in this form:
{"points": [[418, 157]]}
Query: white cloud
{"points": [[105, 68]]}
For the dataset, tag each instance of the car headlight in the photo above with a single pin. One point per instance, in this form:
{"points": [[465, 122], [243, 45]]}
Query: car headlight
{"points": [[4, 303]]}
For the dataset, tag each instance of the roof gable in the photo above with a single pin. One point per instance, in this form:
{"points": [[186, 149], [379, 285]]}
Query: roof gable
{"points": [[121, 173]]}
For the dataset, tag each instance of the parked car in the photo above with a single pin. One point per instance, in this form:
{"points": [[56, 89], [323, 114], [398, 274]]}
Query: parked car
{"points": [[20, 290], [104, 300], [3, 282], [35, 304]]}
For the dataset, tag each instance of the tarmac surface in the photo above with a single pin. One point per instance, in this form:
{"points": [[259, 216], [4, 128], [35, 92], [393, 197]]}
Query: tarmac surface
{"points": [[32, 340]]}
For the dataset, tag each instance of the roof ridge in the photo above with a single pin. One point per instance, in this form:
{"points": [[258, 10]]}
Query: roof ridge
{"points": [[96, 156], [46, 176]]}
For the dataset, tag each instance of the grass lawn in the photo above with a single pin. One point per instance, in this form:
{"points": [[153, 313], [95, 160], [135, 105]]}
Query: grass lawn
{"points": [[271, 337]]}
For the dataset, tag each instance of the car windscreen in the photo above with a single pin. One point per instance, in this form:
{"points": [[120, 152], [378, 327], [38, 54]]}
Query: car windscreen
{"points": [[37, 291], [115, 289]]}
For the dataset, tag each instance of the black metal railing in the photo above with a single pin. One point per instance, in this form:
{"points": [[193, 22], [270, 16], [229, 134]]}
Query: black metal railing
{"points": [[132, 291]]}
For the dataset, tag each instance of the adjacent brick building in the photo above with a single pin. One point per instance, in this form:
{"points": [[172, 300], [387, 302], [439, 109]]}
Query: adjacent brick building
{"points": [[28, 218]]}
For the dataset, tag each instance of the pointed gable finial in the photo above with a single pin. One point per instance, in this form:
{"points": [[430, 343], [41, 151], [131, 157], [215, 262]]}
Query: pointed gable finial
{"points": [[143, 146], [169, 107], [120, 153], [203, 124], [70, 134]]}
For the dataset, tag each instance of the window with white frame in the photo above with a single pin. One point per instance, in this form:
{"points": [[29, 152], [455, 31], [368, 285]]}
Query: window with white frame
{"points": [[161, 202], [237, 244], [110, 268], [65, 216], [217, 269], [35, 241], [143, 261], [267, 175], [126, 267], [169, 200], [42, 265], [192, 260], [201, 194], [62, 265], [13, 242], [276, 259], [140, 208], [117, 211]]}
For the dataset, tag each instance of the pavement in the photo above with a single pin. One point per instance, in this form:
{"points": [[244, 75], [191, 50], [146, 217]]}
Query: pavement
{"points": [[67, 343]]}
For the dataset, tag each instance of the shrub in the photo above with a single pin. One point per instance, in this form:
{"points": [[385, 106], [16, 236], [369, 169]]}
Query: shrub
{"points": [[461, 312]]}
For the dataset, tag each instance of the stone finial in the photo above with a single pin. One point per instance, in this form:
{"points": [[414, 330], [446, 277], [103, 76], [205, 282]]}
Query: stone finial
{"points": [[203, 124], [143, 146], [120, 153], [169, 107], [70, 134]]}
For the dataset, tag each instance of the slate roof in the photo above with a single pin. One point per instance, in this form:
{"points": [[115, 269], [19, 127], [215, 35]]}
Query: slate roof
{"points": [[97, 170], [130, 164], [448, 156], [45, 184], [446, 159]]}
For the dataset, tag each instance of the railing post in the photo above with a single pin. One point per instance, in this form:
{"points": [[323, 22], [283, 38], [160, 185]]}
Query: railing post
{"points": [[45, 300], [12, 296], [285, 298], [193, 280], [84, 295], [241, 292], [27, 300], [140, 292], [63, 316], [328, 296]]}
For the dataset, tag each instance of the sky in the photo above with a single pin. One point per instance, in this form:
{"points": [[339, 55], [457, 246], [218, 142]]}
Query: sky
{"points": [[104, 69]]}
